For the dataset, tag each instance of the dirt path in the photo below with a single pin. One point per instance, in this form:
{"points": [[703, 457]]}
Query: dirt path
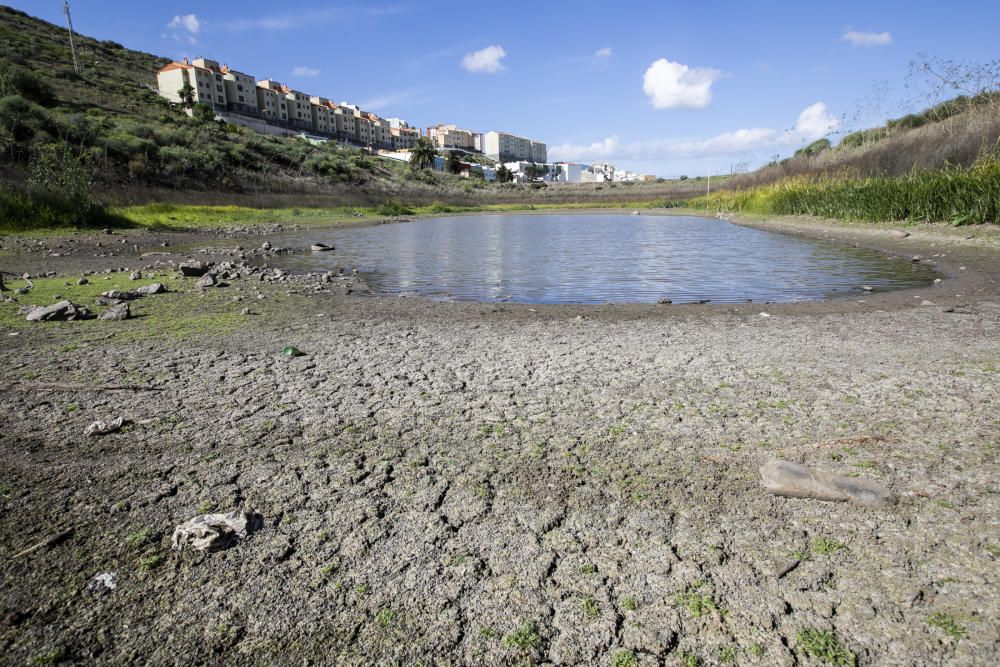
{"points": [[479, 484]]}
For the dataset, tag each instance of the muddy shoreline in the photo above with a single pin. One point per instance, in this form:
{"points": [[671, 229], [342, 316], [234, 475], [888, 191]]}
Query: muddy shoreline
{"points": [[499, 484]]}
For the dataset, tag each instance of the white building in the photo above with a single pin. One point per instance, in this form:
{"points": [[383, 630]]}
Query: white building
{"points": [[505, 147]]}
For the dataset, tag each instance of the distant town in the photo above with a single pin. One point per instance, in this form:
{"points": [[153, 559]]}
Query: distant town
{"points": [[270, 107]]}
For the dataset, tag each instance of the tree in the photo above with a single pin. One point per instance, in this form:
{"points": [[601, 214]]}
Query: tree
{"points": [[186, 94], [454, 165], [504, 174], [422, 154], [533, 171], [17, 80]]}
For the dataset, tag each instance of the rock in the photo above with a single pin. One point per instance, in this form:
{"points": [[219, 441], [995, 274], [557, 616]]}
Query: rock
{"points": [[867, 288], [117, 312], [664, 302], [137, 275], [321, 247], [266, 245], [193, 268], [245, 311], [915, 258], [765, 314], [207, 280], [899, 234], [119, 295], [152, 288], [785, 568], [784, 478], [925, 302], [82, 281], [105, 582], [105, 427], [64, 310]]}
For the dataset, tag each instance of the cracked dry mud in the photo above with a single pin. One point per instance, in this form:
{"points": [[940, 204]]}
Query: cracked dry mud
{"points": [[469, 484]]}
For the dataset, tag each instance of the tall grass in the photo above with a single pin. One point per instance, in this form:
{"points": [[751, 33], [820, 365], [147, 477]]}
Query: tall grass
{"points": [[953, 194]]}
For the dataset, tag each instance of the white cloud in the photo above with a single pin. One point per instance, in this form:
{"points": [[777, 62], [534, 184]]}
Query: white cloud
{"points": [[671, 85], [867, 38], [185, 26], [485, 60], [304, 72], [813, 123], [603, 52]]}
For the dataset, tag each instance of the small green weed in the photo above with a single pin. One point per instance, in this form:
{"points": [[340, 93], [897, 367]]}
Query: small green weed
{"points": [[947, 622], [628, 603], [590, 608], [524, 638], [384, 617], [624, 658], [825, 646], [825, 546]]}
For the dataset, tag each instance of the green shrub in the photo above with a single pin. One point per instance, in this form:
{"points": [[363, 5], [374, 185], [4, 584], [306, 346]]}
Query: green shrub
{"points": [[17, 80]]}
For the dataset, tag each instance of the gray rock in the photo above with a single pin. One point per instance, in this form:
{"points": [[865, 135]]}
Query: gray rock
{"points": [[82, 281], [137, 275], [664, 302], [120, 295], [784, 478], [321, 247], [899, 234], [64, 310], [153, 288], [116, 313], [207, 280], [193, 268]]}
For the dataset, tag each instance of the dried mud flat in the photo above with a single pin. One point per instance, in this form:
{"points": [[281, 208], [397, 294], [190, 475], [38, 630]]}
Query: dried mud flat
{"points": [[474, 484]]}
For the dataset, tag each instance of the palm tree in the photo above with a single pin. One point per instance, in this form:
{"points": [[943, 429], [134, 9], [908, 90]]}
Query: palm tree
{"points": [[186, 94], [422, 154]]}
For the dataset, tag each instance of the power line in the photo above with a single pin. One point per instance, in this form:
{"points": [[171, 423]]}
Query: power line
{"points": [[72, 44]]}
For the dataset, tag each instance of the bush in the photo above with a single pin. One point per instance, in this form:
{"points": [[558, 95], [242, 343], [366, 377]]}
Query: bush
{"points": [[17, 80], [60, 176]]}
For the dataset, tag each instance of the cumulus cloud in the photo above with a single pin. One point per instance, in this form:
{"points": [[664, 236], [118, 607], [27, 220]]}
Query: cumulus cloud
{"points": [[603, 53], [671, 85], [813, 123], [185, 26], [867, 38], [485, 60], [304, 72]]}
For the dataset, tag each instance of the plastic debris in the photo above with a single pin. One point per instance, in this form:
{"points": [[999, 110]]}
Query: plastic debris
{"points": [[784, 478], [291, 351], [103, 428], [209, 532]]}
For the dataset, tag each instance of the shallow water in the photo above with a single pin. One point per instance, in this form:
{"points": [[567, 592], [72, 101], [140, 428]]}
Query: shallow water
{"points": [[602, 258]]}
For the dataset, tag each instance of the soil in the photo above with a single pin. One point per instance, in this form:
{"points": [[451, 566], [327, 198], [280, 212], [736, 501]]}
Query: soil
{"points": [[459, 483]]}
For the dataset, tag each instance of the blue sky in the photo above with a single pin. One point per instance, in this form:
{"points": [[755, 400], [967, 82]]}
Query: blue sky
{"points": [[661, 87]]}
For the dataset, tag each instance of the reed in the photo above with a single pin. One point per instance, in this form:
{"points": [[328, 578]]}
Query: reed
{"points": [[953, 194]]}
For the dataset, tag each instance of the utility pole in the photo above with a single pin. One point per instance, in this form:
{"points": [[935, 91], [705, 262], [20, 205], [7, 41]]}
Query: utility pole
{"points": [[708, 188], [72, 44]]}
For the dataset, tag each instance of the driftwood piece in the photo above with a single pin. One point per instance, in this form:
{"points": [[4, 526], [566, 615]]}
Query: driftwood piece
{"points": [[50, 541]]}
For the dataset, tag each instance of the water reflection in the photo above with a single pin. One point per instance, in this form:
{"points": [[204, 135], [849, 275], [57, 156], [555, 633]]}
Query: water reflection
{"points": [[601, 258]]}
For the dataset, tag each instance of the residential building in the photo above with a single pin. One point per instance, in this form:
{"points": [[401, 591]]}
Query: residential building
{"points": [[322, 115], [271, 101], [207, 86], [568, 172], [450, 136], [504, 147]]}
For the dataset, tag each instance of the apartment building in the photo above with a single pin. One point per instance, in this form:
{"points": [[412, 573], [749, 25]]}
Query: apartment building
{"points": [[504, 147], [272, 107], [451, 136]]}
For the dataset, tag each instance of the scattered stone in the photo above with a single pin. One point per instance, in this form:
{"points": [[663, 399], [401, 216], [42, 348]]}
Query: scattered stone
{"points": [[117, 312], [120, 295], [245, 311], [937, 281], [868, 288], [64, 310], [784, 478], [152, 288], [103, 428], [915, 258], [785, 568], [137, 275], [266, 245], [207, 280], [765, 314], [664, 302], [193, 268], [899, 234], [105, 582], [82, 281], [210, 532], [925, 302], [321, 247]]}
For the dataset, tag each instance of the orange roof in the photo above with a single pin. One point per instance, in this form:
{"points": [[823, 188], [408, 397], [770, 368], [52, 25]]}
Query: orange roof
{"points": [[175, 65]]}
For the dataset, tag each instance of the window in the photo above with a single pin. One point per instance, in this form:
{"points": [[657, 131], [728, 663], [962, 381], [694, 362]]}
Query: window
{"points": [[218, 77], [221, 98], [241, 98], [218, 87], [239, 88]]}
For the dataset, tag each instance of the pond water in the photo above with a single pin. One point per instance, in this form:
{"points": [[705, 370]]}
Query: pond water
{"points": [[598, 258]]}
